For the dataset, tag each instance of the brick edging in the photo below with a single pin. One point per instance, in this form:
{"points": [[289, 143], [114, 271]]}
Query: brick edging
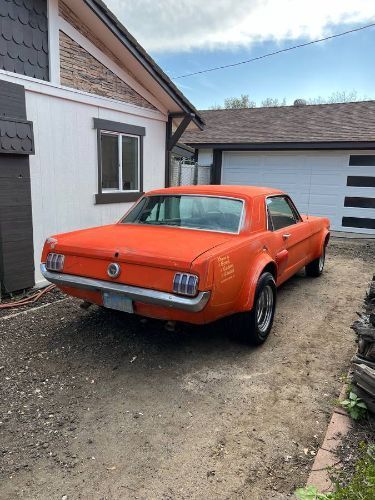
{"points": [[338, 427]]}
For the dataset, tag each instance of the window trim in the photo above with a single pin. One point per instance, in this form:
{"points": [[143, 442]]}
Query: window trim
{"points": [[104, 196], [291, 205], [119, 136]]}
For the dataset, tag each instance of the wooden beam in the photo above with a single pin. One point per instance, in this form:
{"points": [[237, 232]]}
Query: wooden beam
{"points": [[172, 141]]}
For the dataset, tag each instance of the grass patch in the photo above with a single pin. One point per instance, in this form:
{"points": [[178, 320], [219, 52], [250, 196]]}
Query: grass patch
{"points": [[360, 486]]}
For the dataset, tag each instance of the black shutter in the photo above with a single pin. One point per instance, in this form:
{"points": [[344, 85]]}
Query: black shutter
{"points": [[16, 229]]}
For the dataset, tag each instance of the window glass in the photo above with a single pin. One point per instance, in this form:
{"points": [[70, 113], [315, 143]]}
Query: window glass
{"points": [[110, 170], [196, 212], [280, 212], [130, 163], [119, 172]]}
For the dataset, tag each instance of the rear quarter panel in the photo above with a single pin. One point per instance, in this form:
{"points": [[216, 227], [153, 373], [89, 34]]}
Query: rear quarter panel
{"points": [[319, 234], [233, 271], [228, 273]]}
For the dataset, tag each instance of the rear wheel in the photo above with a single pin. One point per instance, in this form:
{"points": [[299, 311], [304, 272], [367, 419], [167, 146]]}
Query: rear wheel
{"points": [[254, 326], [315, 268]]}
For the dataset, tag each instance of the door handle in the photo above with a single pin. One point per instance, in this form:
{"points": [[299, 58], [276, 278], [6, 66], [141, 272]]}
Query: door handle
{"points": [[286, 236]]}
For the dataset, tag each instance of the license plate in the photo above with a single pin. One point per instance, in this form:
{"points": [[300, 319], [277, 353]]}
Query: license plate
{"points": [[118, 302]]}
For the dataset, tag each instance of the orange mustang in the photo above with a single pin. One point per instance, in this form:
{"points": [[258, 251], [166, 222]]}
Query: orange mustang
{"points": [[193, 254]]}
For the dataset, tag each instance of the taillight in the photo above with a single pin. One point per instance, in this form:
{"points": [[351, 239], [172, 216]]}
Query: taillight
{"points": [[185, 284], [55, 262]]}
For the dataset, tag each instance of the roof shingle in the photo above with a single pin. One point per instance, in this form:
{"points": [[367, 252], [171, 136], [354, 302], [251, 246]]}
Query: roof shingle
{"points": [[345, 122], [24, 38]]}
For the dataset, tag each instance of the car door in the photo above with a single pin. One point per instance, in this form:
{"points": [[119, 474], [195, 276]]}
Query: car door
{"points": [[290, 230]]}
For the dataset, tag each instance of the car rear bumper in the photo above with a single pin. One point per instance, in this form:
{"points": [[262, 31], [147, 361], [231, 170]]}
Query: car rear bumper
{"points": [[137, 294]]}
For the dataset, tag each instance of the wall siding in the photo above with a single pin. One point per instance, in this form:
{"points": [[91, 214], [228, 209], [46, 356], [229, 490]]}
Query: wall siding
{"points": [[24, 37], [16, 230], [64, 168], [77, 23], [80, 70], [12, 100]]}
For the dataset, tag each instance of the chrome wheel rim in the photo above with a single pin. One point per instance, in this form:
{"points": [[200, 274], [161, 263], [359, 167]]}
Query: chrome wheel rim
{"points": [[321, 261], [264, 308]]}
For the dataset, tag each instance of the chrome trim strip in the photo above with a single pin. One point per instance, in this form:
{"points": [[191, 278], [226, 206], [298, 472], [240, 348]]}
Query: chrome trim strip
{"points": [[145, 295]]}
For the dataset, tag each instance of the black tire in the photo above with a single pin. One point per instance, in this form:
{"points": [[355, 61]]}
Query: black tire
{"points": [[315, 268], [248, 326]]}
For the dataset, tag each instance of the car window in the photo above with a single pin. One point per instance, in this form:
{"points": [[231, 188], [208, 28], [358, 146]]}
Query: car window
{"points": [[280, 213], [196, 212]]}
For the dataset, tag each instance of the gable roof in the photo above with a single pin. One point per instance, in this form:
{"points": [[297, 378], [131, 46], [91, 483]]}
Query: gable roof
{"points": [[146, 61], [329, 124]]}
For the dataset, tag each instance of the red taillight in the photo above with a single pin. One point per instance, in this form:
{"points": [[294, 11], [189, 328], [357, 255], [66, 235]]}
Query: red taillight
{"points": [[185, 284], [55, 262]]}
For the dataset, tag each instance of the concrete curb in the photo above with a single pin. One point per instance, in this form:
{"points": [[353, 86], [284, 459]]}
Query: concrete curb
{"points": [[338, 427]]}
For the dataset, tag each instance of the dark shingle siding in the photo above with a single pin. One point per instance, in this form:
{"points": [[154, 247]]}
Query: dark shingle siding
{"points": [[16, 136], [24, 37], [12, 100], [16, 228], [347, 122]]}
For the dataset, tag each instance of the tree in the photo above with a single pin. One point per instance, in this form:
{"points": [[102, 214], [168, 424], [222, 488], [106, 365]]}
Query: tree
{"points": [[336, 97], [236, 103], [271, 102], [244, 100], [239, 102]]}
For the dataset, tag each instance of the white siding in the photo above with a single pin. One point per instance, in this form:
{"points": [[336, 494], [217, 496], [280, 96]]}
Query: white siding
{"points": [[316, 181], [205, 157], [64, 168]]}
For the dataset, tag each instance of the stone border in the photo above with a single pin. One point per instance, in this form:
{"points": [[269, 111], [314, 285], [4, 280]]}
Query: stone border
{"points": [[338, 427]]}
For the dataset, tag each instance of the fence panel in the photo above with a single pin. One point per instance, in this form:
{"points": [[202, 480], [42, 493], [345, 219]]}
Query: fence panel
{"points": [[187, 173]]}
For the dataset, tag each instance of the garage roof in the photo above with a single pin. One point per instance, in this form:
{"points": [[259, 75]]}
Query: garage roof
{"points": [[293, 127]]}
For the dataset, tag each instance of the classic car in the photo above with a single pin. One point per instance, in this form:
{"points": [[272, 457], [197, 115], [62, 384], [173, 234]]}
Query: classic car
{"points": [[193, 254]]}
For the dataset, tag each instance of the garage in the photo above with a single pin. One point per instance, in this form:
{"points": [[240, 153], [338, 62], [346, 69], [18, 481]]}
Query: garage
{"points": [[320, 184], [322, 155]]}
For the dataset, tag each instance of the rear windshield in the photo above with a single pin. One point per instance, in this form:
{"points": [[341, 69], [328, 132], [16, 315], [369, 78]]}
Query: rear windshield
{"points": [[208, 213]]}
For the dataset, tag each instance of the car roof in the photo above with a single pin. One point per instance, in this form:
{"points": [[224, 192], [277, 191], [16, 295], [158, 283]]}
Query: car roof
{"points": [[220, 190]]}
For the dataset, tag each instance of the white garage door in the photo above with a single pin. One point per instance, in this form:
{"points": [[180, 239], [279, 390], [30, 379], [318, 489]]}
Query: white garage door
{"points": [[319, 184]]}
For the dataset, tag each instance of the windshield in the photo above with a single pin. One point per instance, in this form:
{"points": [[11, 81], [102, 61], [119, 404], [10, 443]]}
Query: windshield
{"points": [[208, 213]]}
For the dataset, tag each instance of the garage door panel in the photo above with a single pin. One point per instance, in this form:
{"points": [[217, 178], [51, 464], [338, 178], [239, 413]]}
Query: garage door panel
{"points": [[329, 180], [283, 161], [368, 192], [359, 212], [326, 200], [243, 160], [317, 182], [326, 190], [365, 171]]}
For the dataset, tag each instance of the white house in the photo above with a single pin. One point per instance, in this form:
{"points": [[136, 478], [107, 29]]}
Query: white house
{"points": [[88, 122], [322, 155]]}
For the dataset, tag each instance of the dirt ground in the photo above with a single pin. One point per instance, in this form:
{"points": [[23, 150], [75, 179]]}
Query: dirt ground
{"points": [[102, 405]]}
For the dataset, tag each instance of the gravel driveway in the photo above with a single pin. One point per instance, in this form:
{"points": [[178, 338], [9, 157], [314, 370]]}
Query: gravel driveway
{"points": [[101, 405]]}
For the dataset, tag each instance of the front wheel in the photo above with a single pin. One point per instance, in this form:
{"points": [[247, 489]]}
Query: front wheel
{"points": [[254, 326], [315, 268]]}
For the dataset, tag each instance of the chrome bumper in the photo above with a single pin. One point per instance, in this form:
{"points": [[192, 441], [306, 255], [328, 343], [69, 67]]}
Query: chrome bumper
{"points": [[145, 295]]}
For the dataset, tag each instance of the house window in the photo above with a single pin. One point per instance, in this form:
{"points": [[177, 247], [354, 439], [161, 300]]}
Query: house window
{"points": [[119, 162], [120, 153]]}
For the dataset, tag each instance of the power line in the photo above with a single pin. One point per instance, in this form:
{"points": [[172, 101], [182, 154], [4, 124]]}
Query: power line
{"points": [[274, 53]]}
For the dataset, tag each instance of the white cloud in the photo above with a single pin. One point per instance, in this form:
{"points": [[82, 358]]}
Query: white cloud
{"points": [[183, 25]]}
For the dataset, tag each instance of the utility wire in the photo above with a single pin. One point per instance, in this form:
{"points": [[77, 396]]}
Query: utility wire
{"points": [[275, 53]]}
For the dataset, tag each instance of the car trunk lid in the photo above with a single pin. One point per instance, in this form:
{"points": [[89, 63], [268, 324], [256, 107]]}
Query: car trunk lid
{"points": [[158, 246]]}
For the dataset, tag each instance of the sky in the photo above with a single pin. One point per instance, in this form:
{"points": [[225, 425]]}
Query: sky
{"points": [[192, 35]]}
